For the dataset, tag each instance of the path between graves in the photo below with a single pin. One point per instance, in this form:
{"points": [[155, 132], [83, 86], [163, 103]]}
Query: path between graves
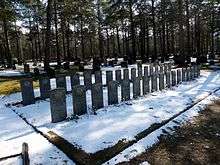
{"points": [[81, 157]]}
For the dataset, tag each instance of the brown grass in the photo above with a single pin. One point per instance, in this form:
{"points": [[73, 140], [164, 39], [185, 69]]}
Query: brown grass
{"points": [[9, 86]]}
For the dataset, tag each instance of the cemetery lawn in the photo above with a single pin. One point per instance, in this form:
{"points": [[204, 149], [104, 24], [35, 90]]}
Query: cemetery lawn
{"points": [[197, 142], [10, 85]]}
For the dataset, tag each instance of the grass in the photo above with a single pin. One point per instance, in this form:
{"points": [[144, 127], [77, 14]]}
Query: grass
{"points": [[9, 86]]}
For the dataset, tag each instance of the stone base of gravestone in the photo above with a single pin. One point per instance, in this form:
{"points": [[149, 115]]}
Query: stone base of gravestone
{"points": [[27, 91], [125, 90], [79, 100], [146, 85], [136, 87], [112, 92], [97, 96], [58, 105], [44, 87]]}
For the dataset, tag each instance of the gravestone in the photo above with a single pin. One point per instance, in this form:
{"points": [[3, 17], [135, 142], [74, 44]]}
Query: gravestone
{"points": [[133, 74], [58, 105], [112, 92], [156, 70], [191, 73], [26, 68], [146, 85], [97, 96], [178, 76], [198, 70], [109, 77], [87, 74], [161, 69], [27, 91], [136, 87], [161, 81], [139, 67], [79, 100], [125, 74], [75, 79], [146, 71], [168, 83], [187, 74], [118, 76], [98, 77], [153, 83], [183, 74], [173, 77], [44, 83], [151, 70], [61, 82], [125, 90], [194, 71]]}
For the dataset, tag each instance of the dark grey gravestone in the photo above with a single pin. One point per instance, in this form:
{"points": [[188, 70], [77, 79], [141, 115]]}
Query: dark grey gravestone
{"points": [[146, 85], [161, 81], [125, 74], [136, 87], [109, 77], [79, 100], [198, 70], [178, 76], [169, 66], [156, 69], [153, 83], [75, 79], [173, 77], [98, 77], [139, 67], [118, 76], [112, 93], [133, 74], [151, 70], [194, 71], [97, 96], [161, 69], [27, 91], [146, 71], [44, 83], [191, 72], [61, 82], [187, 74], [183, 74], [87, 79], [168, 83], [58, 105], [125, 90]]}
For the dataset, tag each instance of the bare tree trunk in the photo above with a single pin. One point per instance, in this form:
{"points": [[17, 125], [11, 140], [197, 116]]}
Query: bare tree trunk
{"points": [[48, 35]]}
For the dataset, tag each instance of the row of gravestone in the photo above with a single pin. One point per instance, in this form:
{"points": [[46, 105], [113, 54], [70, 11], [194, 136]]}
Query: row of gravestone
{"points": [[174, 77], [45, 87], [57, 96]]}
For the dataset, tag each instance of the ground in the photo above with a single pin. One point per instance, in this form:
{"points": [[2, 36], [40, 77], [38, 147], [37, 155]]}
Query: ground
{"points": [[197, 142]]}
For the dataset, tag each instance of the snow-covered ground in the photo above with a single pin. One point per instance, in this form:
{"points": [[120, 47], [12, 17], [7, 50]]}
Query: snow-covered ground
{"points": [[113, 123], [14, 131]]}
